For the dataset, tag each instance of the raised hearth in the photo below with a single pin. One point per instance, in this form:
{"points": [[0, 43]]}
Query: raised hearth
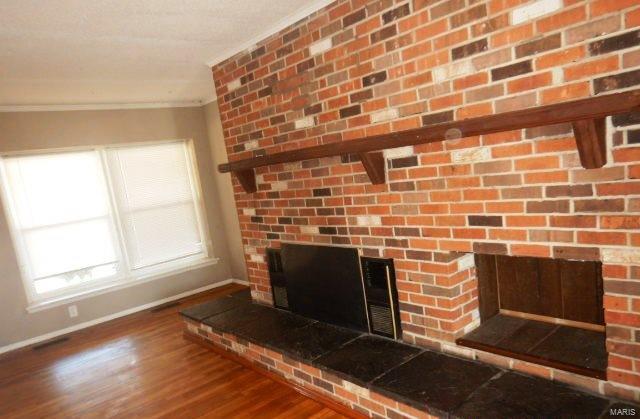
{"points": [[432, 382]]}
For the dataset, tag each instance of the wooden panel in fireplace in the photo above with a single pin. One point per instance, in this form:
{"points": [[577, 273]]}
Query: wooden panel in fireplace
{"points": [[545, 311], [555, 288]]}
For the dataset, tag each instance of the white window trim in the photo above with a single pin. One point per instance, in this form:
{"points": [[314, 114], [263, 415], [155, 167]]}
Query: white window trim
{"points": [[83, 291], [122, 283]]}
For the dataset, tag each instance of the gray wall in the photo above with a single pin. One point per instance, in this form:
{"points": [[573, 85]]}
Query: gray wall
{"points": [[225, 188], [22, 131]]}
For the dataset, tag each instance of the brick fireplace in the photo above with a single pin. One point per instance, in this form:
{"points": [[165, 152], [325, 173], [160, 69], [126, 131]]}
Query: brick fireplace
{"points": [[358, 68]]}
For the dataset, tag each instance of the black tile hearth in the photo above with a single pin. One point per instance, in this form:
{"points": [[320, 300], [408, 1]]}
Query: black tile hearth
{"points": [[366, 358], [434, 382], [514, 395], [440, 384], [231, 320], [270, 325], [312, 341], [213, 307]]}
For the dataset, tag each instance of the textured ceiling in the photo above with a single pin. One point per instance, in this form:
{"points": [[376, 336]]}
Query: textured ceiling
{"points": [[125, 51]]}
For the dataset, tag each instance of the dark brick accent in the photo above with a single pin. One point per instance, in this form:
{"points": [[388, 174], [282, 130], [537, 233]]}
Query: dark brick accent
{"points": [[265, 92], [622, 287], [599, 205], [396, 13], [349, 158], [404, 162], [246, 79], [614, 43], [360, 96], [485, 220], [633, 136], [374, 78], [285, 220], [406, 231], [467, 16], [404, 243], [323, 384], [568, 190], [354, 17], [419, 255], [624, 119], [286, 50], [313, 109], [273, 236], [255, 219], [328, 230], [302, 375], [326, 211], [576, 253], [469, 49], [290, 36], [305, 65], [313, 202], [350, 111], [267, 360], [539, 45], [544, 207], [490, 248], [383, 34], [616, 81], [322, 192], [402, 186], [258, 52], [410, 308], [437, 118], [511, 70]]}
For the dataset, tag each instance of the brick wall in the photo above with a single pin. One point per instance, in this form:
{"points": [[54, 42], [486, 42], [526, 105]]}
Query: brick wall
{"points": [[360, 67]]}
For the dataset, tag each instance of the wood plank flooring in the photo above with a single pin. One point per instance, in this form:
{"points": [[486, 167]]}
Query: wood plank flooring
{"points": [[140, 366]]}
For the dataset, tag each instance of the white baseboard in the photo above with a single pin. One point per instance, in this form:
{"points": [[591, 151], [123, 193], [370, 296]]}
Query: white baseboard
{"points": [[84, 325], [240, 281]]}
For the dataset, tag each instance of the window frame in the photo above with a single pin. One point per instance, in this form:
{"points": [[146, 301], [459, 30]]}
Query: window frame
{"points": [[127, 277]]}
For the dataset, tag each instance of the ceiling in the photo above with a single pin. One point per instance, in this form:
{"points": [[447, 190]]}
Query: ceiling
{"points": [[74, 52]]}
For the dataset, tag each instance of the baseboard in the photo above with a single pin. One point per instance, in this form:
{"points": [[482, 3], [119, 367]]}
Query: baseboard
{"points": [[240, 281], [84, 325]]}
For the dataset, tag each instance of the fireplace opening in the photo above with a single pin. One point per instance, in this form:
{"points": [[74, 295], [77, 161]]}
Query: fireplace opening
{"points": [[544, 311]]}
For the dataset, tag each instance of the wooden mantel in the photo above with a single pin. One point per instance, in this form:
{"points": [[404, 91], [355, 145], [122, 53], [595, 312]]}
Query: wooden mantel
{"points": [[586, 115]]}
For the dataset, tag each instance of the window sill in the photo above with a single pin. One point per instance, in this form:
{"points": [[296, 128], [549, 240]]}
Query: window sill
{"points": [[115, 286]]}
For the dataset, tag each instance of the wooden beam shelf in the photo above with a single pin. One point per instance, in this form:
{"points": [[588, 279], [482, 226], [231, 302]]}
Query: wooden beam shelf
{"points": [[586, 115]]}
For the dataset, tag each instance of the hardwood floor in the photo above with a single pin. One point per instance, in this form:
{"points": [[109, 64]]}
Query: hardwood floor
{"points": [[140, 366]]}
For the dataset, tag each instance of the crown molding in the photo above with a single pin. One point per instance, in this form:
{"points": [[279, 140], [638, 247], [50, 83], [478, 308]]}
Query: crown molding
{"points": [[280, 25], [102, 106]]}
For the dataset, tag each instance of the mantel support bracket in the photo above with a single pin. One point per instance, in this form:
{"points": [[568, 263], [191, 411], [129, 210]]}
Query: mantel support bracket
{"points": [[591, 142], [247, 179], [374, 166]]}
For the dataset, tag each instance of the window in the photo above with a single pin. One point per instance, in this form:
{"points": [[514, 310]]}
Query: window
{"points": [[94, 219]]}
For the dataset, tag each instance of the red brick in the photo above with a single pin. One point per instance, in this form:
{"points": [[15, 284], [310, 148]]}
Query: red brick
{"points": [[562, 20], [565, 93], [601, 7], [591, 68], [595, 237]]}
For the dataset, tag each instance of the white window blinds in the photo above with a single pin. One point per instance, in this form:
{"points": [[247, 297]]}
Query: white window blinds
{"points": [[156, 203], [81, 219]]}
